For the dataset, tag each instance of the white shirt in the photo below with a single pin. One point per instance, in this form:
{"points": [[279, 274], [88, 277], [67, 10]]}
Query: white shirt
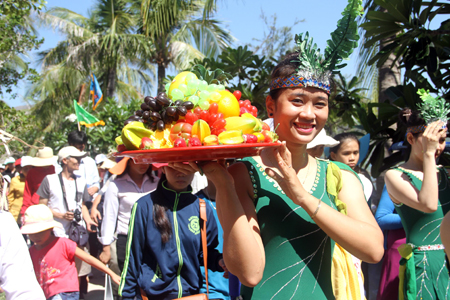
{"points": [[50, 189], [120, 196], [89, 172], [367, 186], [17, 277]]}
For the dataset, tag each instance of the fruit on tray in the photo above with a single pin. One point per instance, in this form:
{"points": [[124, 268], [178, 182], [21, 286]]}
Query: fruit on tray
{"points": [[195, 110]]}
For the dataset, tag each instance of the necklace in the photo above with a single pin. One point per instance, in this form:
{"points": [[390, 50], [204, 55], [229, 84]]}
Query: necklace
{"points": [[307, 173]]}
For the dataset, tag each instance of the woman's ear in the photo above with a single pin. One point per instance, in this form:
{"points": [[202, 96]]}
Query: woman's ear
{"points": [[270, 106], [410, 138]]}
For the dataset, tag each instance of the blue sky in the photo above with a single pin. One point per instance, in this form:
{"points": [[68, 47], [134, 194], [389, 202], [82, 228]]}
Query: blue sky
{"points": [[242, 18]]}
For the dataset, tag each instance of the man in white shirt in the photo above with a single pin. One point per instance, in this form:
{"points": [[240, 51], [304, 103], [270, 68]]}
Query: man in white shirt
{"points": [[88, 168], [66, 195]]}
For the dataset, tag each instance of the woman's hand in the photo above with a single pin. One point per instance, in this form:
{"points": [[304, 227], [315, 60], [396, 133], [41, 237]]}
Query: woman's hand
{"points": [[281, 160], [431, 137]]}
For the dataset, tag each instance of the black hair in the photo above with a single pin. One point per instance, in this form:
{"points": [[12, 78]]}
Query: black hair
{"points": [[77, 137], [342, 137], [160, 218], [408, 118], [149, 172]]}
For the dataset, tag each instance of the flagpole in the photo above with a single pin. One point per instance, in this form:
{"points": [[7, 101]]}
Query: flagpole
{"points": [[79, 128]]}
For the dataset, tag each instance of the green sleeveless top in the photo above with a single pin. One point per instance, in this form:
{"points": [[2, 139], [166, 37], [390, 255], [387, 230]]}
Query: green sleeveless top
{"points": [[298, 252], [431, 276]]}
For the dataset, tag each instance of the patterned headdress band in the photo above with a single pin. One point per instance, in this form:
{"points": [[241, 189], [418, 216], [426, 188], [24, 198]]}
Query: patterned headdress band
{"points": [[298, 81], [416, 129]]}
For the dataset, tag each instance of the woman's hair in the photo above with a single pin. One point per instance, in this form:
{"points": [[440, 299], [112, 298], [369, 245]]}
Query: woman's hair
{"points": [[149, 172], [408, 118], [341, 137], [160, 218]]}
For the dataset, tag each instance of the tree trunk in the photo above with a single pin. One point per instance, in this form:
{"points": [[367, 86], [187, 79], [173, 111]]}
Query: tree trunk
{"points": [[161, 76], [111, 87], [387, 76]]}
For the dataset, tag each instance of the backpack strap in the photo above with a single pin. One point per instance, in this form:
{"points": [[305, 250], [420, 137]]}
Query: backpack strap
{"points": [[204, 241]]}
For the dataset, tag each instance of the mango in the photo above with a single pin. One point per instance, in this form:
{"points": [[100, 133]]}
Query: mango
{"points": [[247, 125], [201, 129], [211, 140], [258, 121], [133, 133], [228, 105], [231, 137]]}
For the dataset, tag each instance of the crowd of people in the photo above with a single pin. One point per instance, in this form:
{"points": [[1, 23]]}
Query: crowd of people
{"points": [[288, 224]]}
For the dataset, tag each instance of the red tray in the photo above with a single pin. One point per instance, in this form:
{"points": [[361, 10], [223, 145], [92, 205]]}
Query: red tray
{"points": [[195, 153]]}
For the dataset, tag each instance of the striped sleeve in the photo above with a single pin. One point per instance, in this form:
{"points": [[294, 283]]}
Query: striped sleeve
{"points": [[129, 287]]}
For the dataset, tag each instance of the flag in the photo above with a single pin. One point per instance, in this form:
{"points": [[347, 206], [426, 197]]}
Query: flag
{"points": [[85, 118], [96, 92]]}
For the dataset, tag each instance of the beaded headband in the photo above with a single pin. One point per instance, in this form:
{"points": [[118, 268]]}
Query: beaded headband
{"points": [[315, 69], [416, 129], [296, 81]]}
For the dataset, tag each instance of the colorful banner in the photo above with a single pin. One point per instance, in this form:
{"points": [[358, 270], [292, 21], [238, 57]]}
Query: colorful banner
{"points": [[85, 118], [96, 92]]}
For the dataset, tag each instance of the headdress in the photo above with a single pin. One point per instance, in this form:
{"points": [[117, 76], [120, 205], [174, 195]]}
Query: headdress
{"points": [[315, 70], [431, 109]]}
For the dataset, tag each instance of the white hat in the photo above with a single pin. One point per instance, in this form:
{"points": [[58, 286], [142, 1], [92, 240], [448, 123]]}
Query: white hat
{"points": [[108, 164], [322, 139], [99, 158], [44, 157], [70, 151], [2, 166], [10, 160], [38, 218], [26, 161]]}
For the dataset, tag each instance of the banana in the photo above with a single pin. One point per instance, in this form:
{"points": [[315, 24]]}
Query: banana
{"points": [[247, 125]]}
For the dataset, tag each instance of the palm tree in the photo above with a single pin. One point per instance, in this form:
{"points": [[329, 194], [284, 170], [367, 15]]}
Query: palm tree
{"points": [[179, 33]]}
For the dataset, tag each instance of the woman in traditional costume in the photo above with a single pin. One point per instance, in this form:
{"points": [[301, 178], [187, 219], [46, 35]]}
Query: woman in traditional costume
{"points": [[281, 212], [420, 191]]}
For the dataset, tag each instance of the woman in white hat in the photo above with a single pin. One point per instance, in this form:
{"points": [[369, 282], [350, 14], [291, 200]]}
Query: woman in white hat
{"points": [[43, 165]]}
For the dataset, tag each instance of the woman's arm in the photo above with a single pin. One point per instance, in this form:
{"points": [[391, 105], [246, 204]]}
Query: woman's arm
{"points": [[95, 214], [243, 249], [385, 216], [110, 215], [357, 231], [445, 233]]}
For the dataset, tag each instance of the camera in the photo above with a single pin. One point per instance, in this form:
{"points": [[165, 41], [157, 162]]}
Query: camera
{"points": [[77, 215]]}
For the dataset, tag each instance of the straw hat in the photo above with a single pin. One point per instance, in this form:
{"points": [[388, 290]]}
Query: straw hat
{"points": [[44, 157], [38, 218], [322, 139]]}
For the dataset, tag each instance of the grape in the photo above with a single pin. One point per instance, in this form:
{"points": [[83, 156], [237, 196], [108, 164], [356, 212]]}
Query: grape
{"points": [[204, 105], [146, 115], [160, 125], [138, 113], [204, 95], [190, 77], [188, 104], [202, 85], [162, 99], [178, 103], [145, 107], [167, 86], [177, 94], [212, 87], [215, 97], [183, 88], [170, 111], [148, 99], [154, 116], [155, 106], [134, 118], [181, 110], [194, 99]]}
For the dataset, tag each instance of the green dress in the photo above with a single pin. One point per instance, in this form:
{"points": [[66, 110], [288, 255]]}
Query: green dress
{"points": [[298, 252], [424, 263]]}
